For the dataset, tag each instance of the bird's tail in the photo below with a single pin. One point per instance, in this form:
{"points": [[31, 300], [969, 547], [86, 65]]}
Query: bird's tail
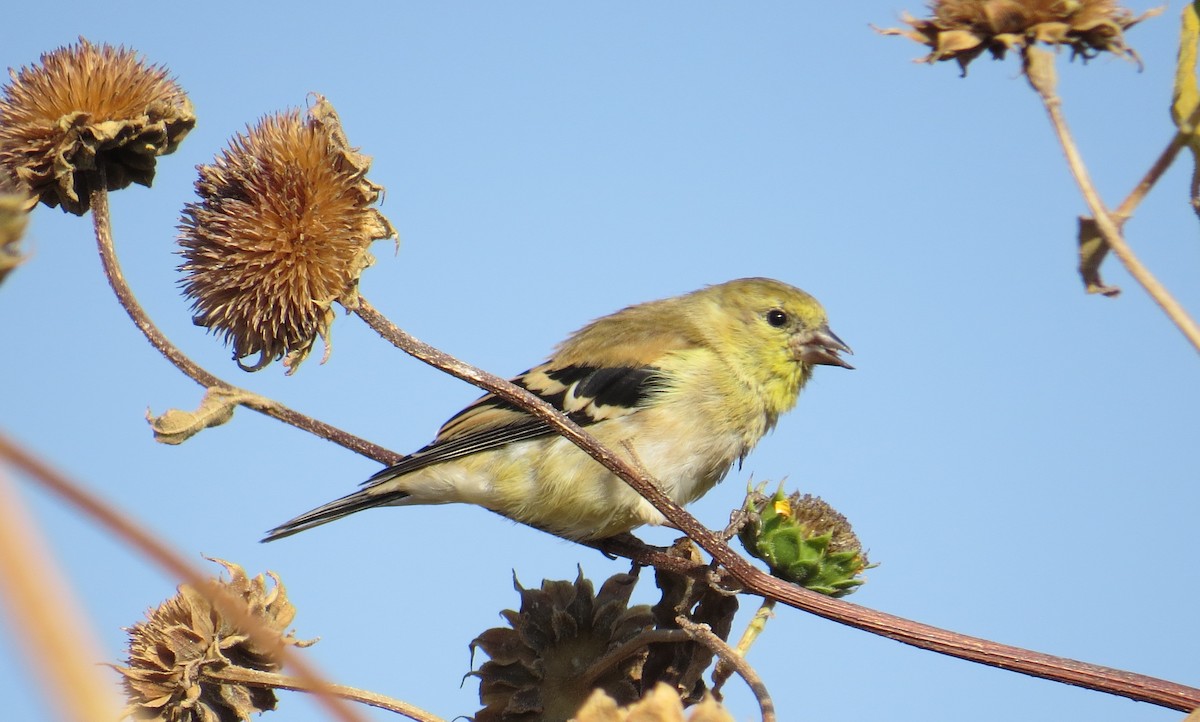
{"points": [[335, 509]]}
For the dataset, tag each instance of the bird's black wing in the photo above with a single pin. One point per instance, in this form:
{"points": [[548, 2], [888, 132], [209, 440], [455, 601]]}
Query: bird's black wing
{"points": [[587, 394]]}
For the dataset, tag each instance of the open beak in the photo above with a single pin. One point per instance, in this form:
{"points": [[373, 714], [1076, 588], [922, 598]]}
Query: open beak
{"points": [[821, 346]]}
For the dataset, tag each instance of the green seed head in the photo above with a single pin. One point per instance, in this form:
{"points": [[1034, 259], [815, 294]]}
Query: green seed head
{"points": [[804, 540]]}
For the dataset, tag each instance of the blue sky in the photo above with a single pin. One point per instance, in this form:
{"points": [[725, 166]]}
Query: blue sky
{"points": [[1018, 456]]}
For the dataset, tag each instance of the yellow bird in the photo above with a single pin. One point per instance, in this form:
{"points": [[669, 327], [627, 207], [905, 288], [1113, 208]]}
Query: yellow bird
{"points": [[689, 384]]}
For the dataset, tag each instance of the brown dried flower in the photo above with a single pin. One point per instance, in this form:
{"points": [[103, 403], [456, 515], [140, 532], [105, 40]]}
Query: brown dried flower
{"points": [[87, 113], [280, 232], [961, 30], [542, 668], [661, 704], [173, 654], [682, 664]]}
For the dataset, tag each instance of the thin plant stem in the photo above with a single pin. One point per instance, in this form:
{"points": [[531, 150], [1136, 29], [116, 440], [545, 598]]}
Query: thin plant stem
{"points": [[272, 680], [1036, 664], [614, 657], [169, 560], [1164, 160], [755, 628], [102, 222], [58, 643], [1042, 81], [703, 634]]}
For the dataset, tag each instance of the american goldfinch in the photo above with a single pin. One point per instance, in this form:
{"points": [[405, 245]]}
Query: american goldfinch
{"points": [[687, 384]]}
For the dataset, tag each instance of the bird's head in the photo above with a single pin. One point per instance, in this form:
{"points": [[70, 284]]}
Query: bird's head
{"points": [[777, 332]]}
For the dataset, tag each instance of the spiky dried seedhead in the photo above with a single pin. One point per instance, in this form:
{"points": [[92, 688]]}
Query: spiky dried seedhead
{"points": [[541, 668], [961, 30], [660, 704], [280, 232], [170, 653], [87, 112]]}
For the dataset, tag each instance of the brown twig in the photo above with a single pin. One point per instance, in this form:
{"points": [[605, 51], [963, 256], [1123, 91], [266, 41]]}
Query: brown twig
{"points": [[1160, 166], [271, 680], [131, 533], [1039, 71], [102, 223], [614, 657], [1059, 669], [704, 635]]}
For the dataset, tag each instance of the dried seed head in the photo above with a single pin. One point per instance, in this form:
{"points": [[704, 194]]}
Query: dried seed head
{"points": [[961, 30], [682, 664], [87, 112], [661, 704], [542, 667], [805, 541], [280, 232], [186, 637]]}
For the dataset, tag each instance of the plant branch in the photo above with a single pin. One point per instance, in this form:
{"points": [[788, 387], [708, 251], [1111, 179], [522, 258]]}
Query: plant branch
{"points": [[271, 680], [1067, 671], [1039, 71], [102, 223], [1164, 160], [614, 657], [157, 551], [753, 630], [703, 634]]}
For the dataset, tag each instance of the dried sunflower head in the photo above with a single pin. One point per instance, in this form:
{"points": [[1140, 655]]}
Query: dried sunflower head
{"points": [[660, 704], [280, 232], [84, 113], [682, 664], [961, 30], [175, 652], [543, 667]]}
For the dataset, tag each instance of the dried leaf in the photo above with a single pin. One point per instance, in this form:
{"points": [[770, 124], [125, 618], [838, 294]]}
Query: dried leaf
{"points": [[176, 426], [13, 217], [1092, 250], [1186, 94]]}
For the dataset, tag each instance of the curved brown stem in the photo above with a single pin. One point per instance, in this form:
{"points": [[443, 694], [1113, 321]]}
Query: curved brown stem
{"points": [[116, 278], [924, 636], [613, 657], [271, 680], [704, 635]]}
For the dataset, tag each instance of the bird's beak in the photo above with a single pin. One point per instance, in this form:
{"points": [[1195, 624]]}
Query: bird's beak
{"points": [[821, 346]]}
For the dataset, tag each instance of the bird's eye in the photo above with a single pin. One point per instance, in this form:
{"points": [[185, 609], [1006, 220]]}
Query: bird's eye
{"points": [[777, 318]]}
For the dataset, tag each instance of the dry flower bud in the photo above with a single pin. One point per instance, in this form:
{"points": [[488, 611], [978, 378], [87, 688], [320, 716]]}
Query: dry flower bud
{"points": [[86, 113], [538, 668], [172, 652], [280, 232], [961, 30]]}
